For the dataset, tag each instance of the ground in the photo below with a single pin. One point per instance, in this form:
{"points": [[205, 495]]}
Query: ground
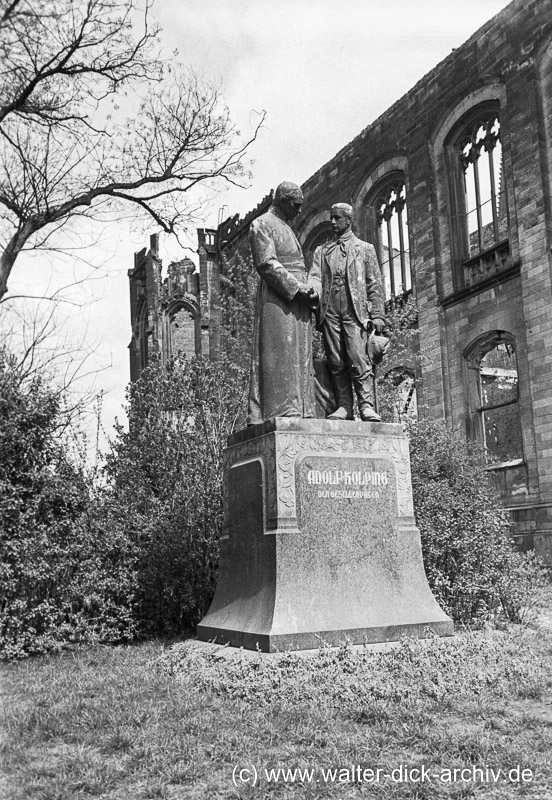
{"points": [[172, 721]]}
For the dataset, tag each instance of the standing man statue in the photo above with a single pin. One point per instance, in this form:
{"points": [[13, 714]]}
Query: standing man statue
{"points": [[346, 274], [282, 378]]}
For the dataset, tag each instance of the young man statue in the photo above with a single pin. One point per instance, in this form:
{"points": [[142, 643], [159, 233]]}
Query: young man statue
{"points": [[346, 275]]}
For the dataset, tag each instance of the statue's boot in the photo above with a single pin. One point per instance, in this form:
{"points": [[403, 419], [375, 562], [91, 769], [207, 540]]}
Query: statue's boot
{"points": [[341, 413], [344, 396], [368, 414], [365, 396]]}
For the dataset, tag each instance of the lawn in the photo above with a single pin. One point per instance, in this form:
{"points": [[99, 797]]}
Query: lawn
{"points": [[155, 721]]}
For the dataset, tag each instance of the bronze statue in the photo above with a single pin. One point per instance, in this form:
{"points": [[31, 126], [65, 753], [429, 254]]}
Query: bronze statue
{"points": [[346, 274], [282, 380]]}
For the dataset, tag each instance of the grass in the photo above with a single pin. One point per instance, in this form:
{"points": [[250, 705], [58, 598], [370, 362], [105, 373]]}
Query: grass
{"points": [[149, 721]]}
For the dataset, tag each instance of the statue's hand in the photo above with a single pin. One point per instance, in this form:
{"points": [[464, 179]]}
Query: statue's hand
{"points": [[308, 293], [379, 325], [314, 298]]}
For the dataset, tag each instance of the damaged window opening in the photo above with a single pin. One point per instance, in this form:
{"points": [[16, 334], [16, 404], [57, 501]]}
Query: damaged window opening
{"points": [[480, 153], [394, 253], [498, 404]]}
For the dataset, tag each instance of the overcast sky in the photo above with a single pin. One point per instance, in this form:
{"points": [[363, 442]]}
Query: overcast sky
{"points": [[322, 70]]}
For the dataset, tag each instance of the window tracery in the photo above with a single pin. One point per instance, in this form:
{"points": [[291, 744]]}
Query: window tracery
{"points": [[479, 203], [485, 212], [392, 238]]}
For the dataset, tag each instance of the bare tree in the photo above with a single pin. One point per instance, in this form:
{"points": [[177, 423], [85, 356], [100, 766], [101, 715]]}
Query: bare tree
{"points": [[69, 68], [34, 337]]}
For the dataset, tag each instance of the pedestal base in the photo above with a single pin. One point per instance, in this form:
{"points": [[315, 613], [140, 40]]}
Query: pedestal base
{"points": [[319, 543]]}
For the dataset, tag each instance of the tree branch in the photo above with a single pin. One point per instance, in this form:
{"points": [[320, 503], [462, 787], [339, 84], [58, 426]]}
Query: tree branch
{"points": [[66, 152]]}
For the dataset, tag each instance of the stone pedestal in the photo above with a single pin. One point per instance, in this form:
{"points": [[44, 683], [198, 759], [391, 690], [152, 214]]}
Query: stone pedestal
{"points": [[319, 541]]}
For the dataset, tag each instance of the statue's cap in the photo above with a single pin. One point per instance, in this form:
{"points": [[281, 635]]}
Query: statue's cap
{"points": [[377, 347], [286, 190]]}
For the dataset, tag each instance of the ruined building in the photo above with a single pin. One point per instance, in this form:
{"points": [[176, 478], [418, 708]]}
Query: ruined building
{"points": [[174, 315], [181, 314], [453, 185]]}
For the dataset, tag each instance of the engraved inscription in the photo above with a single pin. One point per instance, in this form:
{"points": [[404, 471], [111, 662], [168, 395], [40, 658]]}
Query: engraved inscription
{"points": [[280, 452], [354, 490]]}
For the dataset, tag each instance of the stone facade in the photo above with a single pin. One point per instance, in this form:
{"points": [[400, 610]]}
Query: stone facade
{"points": [[453, 185], [182, 313], [473, 297], [209, 292]]}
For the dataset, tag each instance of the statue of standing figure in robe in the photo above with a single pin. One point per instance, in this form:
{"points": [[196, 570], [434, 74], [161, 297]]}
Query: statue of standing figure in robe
{"points": [[282, 374]]}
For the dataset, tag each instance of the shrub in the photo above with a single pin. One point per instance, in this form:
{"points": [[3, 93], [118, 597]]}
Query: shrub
{"points": [[471, 563], [165, 485], [135, 556], [59, 580]]}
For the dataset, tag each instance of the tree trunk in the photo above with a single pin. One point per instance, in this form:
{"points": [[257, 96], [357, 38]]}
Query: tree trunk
{"points": [[8, 257]]}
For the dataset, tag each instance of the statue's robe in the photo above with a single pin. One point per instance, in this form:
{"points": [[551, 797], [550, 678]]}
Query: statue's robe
{"points": [[282, 375]]}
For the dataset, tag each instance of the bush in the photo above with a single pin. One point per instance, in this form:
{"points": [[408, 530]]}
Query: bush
{"points": [[59, 581], [165, 485], [471, 563], [137, 556]]}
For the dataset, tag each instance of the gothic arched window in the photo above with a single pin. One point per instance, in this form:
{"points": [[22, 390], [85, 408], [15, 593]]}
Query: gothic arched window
{"points": [[485, 220], [478, 195], [392, 238], [180, 331], [494, 397], [183, 333]]}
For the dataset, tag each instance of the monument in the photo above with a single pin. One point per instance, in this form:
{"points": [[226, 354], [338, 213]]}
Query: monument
{"points": [[319, 541], [282, 377], [346, 276]]}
